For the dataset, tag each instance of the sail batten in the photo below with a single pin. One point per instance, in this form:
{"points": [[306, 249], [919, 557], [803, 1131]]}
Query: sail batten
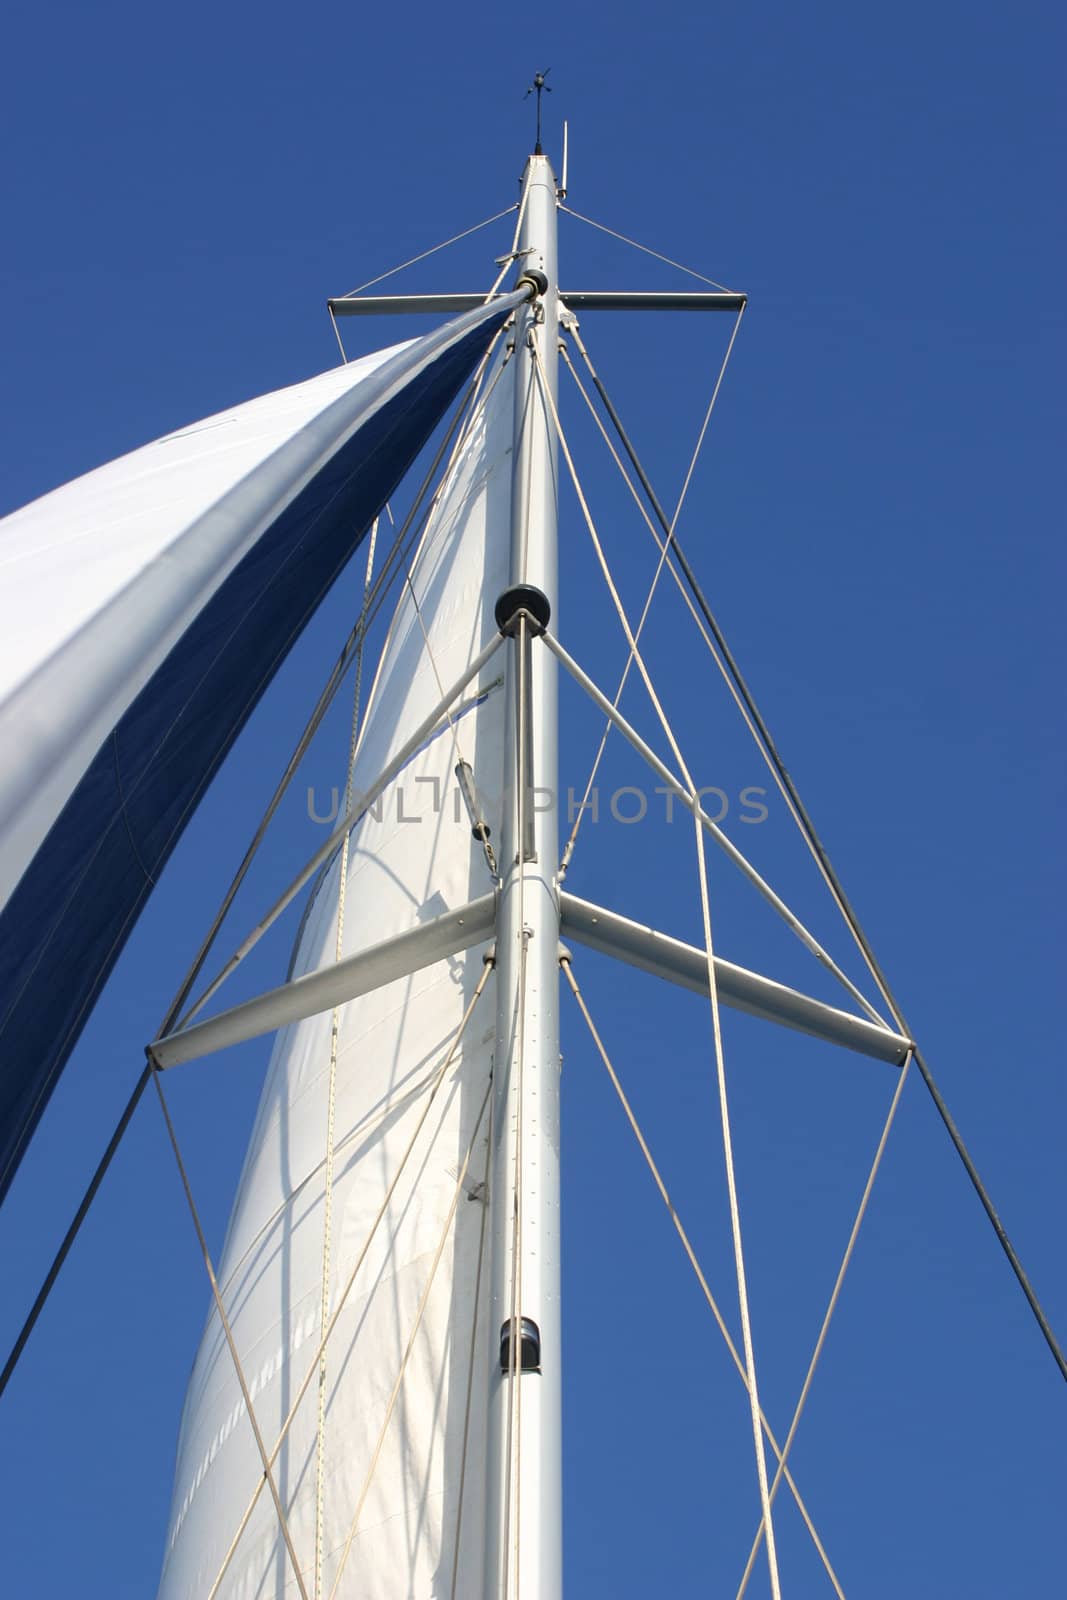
{"points": [[185, 573]]}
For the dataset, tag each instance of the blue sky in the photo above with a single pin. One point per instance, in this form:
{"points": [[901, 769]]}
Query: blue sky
{"points": [[877, 519]]}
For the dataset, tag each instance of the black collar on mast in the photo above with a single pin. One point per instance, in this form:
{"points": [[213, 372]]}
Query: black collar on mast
{"points": [[539, 87]]}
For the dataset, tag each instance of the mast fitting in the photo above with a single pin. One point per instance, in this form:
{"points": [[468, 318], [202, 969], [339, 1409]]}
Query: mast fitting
{"points": [[534, 279], [522, 597]]}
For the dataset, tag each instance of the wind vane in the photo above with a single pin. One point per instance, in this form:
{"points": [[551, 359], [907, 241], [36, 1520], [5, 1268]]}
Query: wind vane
{"points": [[539, 87]]}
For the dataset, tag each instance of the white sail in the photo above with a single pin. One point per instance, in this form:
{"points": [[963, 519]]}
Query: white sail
{"points": [[143, 610], [102, 576], [410, 859]]}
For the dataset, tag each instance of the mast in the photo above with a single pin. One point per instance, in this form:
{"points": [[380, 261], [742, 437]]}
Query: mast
{"points": [[524, 1463]]}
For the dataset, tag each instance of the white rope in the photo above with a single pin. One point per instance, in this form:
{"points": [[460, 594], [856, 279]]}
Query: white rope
{"points": [[695, 457], [343, 1300], [456, 237], [331, 1091], [688, 795], [664, 547], [735, 1221], [645, 249], [268, 1475], [698, 1271], [830, 1309], [445, 1231]]}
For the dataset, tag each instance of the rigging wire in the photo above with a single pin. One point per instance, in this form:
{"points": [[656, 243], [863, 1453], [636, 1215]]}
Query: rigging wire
{"points": [[456, 237], [635, 1127], [73, 1230], [391, 1406], [831, 1307], [337, 336], [645, 249], [833, 882], [439, 1077], [230, 1340]]}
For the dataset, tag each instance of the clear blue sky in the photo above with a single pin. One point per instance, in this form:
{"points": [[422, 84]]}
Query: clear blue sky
{"points": [[878, 520]]}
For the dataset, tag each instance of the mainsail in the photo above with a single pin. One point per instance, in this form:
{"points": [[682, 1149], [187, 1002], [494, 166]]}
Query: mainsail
{"points": [[144, 610], [396, 1503]]}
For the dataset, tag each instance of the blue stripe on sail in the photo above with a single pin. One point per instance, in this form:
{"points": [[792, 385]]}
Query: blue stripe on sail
{"points": [[62, 930]]}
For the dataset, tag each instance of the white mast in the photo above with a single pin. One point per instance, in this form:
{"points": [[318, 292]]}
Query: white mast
{"points": [[524, 1493]]}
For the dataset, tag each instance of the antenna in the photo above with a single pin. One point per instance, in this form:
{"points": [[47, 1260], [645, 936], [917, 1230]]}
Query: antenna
{"points": [[562, 190], [539, 87]]}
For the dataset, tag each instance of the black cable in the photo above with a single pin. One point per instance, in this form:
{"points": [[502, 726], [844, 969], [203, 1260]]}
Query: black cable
{"points": [[72, 1232], [808, 829]]}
